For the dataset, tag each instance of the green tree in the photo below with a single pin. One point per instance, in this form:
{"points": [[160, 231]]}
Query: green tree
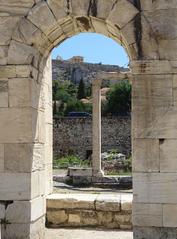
{"points": [[81, 90], [74, 105], [119, 98]]}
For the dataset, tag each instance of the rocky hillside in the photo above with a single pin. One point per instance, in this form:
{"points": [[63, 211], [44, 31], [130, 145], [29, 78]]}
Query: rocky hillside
{"points": [[73, 71]]}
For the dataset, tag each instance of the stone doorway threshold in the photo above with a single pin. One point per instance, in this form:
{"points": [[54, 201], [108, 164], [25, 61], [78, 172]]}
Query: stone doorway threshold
{"points": [[87, 234]]}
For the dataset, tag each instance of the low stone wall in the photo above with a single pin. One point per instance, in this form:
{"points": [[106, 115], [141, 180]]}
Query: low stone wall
{"points": [[74, 135], [90, 210]]}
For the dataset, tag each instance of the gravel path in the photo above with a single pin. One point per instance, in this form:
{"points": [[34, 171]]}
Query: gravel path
{"points": [[87, 234]]}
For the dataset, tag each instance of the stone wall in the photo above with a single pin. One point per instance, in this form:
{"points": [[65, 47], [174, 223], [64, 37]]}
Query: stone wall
{"points": [[90, 210], [74, 135]]}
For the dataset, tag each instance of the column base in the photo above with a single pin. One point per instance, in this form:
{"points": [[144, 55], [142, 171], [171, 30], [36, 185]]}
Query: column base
{"points": [[154, 233], [97, 173]]}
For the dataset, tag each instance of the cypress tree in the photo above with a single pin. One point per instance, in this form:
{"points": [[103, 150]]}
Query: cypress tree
{"points": [[81, 90]]}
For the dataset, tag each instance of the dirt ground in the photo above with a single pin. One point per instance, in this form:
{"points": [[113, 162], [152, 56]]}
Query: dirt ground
{"points": [[87, 234]]}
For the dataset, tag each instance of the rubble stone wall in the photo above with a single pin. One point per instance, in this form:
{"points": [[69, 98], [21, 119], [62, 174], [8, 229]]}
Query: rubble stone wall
{"points": [[74, 135]]}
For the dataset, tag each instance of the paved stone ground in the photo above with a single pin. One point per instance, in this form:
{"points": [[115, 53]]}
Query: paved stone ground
{"points": [[64, 188], [87, 234]]}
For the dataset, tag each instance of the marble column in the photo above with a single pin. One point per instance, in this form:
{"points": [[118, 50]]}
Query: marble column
{"points": [[96, 128]]}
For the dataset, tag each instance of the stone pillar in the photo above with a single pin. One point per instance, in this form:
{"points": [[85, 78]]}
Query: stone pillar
{"points": [[96, 128], [154, 132], [25, 146]]}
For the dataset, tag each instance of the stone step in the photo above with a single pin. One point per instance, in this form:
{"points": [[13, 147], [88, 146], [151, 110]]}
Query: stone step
{"points": [[121, 182], [90, 210]]}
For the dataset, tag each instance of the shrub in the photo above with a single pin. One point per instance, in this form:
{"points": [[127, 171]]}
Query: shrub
{"points": [[69, 161]]}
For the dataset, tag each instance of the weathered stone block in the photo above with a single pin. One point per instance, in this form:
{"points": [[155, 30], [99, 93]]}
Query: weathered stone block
{"points": [[89, 218], [38, 180], [2, 211], [126, 203], [145, 155], [108, 203], [49, 134], [34, 230], [4, 96], [170, 215], [104, 218], [3, 55], [104, 8], [153, 90], [15, 71], [25, 211], [24, 157], [163, 4], [155, 187], [163, 22], [147, 215], [19, 92], [74, 219], [49, 179], [42, 17], [59, 201], [122, 13], [1, 157], [154, 232], [57, 36], [25, 92], [7, 26], [68, 27], [21, 54], [123, 219], [57, 217], [15, 186], [27, 32], [175, 90], [15, 7], [99, 26], [168, 152], [151, 67], [146, 5], [83, 172], [48, 154], [166, 49], [154, 122], [17, 125], [83, 8], [59, 8], [81, 180], [128, 34]]}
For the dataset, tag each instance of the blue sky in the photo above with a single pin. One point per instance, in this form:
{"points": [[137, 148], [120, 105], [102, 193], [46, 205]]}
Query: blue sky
{"points": [[95, 48]]}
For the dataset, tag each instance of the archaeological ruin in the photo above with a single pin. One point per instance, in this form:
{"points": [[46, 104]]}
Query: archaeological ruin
{"points": [[30, 29]]}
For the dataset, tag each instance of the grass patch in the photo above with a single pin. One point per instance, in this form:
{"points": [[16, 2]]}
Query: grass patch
{"points": [[69, 161]]}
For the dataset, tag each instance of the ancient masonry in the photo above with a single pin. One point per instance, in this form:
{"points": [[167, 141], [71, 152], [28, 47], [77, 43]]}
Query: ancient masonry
{"points": [[74, 135], [29, 30]]}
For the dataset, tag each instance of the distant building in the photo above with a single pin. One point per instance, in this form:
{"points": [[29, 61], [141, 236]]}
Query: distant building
{"points": [[59, 58], [76, 59]]}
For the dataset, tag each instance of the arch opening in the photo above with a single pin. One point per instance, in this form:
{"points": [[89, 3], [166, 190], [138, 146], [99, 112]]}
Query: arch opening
{"points": [[47, 24]]}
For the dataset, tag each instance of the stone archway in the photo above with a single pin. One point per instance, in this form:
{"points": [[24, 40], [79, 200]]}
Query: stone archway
{"points": [[29, 31]]}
